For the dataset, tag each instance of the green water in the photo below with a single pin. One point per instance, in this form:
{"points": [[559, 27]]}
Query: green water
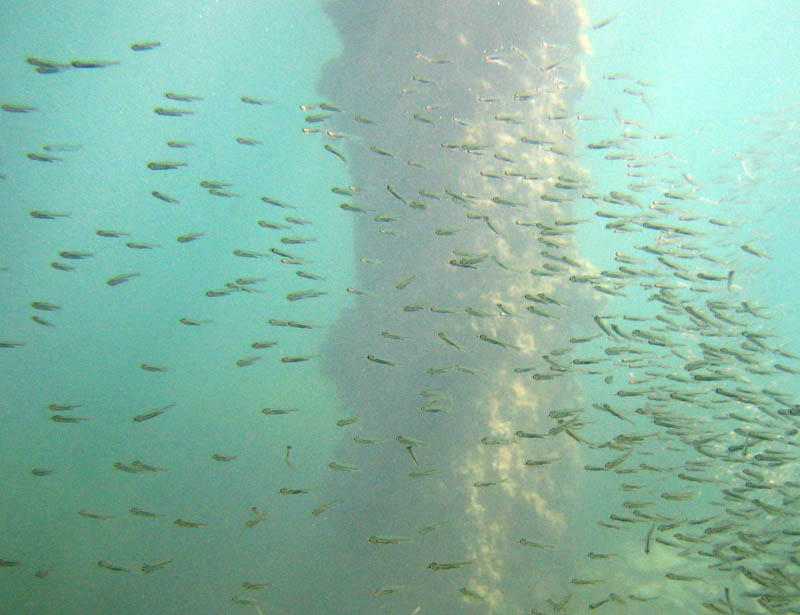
{"points": [[714, 83]]}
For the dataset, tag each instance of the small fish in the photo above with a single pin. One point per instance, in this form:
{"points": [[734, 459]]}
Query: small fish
{"points": [[387, 540], [143, 513], [171, 112], [247, 361], [348, 421], [278, 411], [18, 108], [603, 23], [144, 467], [47, 215], [249, 254], [259, 517], [448, 341], [379, 361], [338, 467], [753, 251], [60, 418], [449, 565], [42, 157], [490, 340], [335, 152], [165, 166], [297, 359], [254, 101], [118, 465], [164, 197], [432, 526], [389, 589], [322, 508], [75, 255], [193, 323], [95, 516], [536, 545], [191, 524], [305, 294], [154, 368], [393, 336], [148, 568], [405, 282], [181, 97], [119, 279], [140, 418], [145, 46], [112, 567], [246, 141], [287, 491], [189, 237], [9, 563]]}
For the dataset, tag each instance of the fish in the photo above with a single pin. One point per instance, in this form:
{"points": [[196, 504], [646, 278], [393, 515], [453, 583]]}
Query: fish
{"points": [[449, 565], [112, 567], [247, 141], [164, 197], [18, 108], [95, 516], [260, 516], [335, 152], [379, 361], [170, 112], [348, 421], [165, 166], [42, 157], [93, 63], [277, 411], [143, 513], [389, 589], [387, 540], [145, 46], [486, 338], [189, 524], [429, 528], [603, 23], [536, 545], [121, 278], [254, 101], [323, 507], [149, 568], [47, 215], [189, 237], [141, 418], [60, 418], [181, 97]]}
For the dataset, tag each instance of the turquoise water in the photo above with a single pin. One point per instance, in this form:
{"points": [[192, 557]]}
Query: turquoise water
{"points": [[428, 105]]}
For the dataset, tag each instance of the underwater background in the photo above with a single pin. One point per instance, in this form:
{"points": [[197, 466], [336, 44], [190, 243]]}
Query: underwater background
{"points": [[451, 306]]}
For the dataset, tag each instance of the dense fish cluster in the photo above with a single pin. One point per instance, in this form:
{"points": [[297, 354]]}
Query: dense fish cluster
{"points": [[558, 394]]}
